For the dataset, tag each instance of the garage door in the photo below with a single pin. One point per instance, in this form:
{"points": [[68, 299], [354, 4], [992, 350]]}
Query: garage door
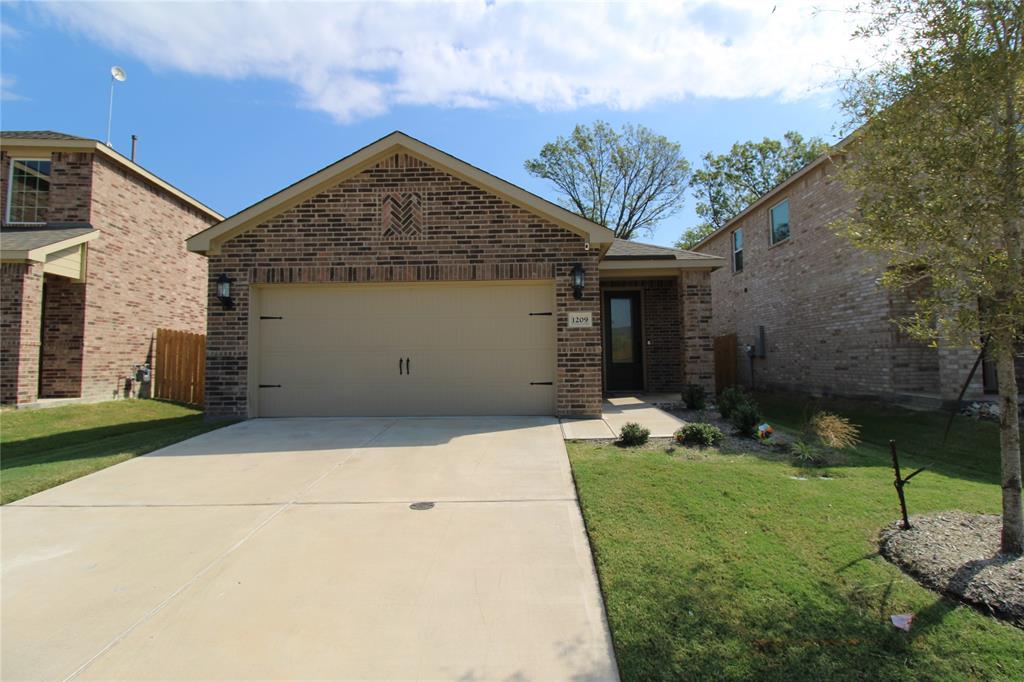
{"points": [[409, 349]]}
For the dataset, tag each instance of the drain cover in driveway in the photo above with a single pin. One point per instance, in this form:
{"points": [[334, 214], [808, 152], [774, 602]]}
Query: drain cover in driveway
{"points": [[421, 506]]}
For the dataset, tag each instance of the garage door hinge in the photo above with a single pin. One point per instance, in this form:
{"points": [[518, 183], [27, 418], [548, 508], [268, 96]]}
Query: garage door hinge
{"points": [[271, 317], [547, 314], [270, 385], [540, 383]]}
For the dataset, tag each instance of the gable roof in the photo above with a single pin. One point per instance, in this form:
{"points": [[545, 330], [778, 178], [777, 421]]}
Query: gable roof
{"points": [[35, 243], [39, 135], [625, 249], [34, 141], [209, 240]]}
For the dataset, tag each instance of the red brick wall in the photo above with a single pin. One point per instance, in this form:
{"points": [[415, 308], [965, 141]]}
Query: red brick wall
{"points": [[140, 275], [21, 294], [828, 321], [63, 329], [659, 310], [465, 233]]}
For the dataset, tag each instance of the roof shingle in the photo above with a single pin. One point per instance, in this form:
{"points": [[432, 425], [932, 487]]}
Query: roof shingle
{"points": [[39, 135], [625, 249]]}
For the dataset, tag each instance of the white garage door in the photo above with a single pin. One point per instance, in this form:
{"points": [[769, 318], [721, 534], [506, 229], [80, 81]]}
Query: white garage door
{"points": [[406, 349]]}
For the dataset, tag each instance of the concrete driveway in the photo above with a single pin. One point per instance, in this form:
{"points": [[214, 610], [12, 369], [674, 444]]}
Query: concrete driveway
{"points": [[287, 549]]}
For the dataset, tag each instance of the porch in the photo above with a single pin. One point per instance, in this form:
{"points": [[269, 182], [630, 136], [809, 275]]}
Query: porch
{"points": [[656, 319], [43, 313]]}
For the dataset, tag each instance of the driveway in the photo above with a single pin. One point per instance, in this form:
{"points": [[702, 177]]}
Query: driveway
{"points": [[287, 548]]}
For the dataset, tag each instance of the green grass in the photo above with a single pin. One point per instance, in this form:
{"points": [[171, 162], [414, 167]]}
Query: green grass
{"points": [[46, 447], [720, 566]]}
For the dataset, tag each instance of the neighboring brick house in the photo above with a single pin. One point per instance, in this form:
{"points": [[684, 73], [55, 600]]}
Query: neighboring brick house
{"points": [[403, 281], [828, 322], [93, 262]]}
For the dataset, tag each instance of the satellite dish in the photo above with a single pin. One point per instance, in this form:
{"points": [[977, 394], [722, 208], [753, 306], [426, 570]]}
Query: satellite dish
{"points": [[118, 73]]}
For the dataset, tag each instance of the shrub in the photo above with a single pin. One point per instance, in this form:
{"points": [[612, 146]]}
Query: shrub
{"points": [[694, 397], [634, 434], [746, 417], [699, 434], [834, 431], [731, 398], [805, 454]]}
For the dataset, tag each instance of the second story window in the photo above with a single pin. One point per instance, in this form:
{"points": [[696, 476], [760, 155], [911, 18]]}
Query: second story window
{"points": [[737, 250], [28, 191], [779, 216]]}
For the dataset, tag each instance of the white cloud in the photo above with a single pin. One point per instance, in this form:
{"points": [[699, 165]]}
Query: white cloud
{"points": [[7, 93], [359, 60]]}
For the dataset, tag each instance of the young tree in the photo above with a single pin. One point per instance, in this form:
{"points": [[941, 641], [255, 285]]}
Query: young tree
{"points": [[937, 161], [728, 183], [627, 181]]}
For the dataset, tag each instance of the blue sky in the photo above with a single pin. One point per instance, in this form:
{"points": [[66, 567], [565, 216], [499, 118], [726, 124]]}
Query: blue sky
{"points": [[233, 102]]}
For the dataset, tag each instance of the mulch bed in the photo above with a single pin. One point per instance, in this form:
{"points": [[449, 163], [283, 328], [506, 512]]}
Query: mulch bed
{"points": [[957, 554]]}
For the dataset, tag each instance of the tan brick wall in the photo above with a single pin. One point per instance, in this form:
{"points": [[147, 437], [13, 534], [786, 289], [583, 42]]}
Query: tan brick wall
{"points": [[465, 234], [828, 321]]}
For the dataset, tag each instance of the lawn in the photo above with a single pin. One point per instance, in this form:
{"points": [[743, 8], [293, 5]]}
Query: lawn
{"points": [[46, 447], [721, 566]]}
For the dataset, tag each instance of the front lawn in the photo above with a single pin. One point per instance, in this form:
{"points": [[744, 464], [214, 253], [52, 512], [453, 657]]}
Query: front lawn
{"points": [[46, 447], [722, 566]]}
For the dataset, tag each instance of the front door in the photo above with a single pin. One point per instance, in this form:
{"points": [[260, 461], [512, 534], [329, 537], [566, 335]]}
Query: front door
{"points": [[624, 368]]}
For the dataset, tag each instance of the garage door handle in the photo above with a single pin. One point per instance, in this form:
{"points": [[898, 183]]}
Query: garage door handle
{"points": [[407, 366], [399, 366]]}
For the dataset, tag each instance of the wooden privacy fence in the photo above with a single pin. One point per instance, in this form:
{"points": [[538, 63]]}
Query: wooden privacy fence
{"points": [[180, 370], [725, 362]]}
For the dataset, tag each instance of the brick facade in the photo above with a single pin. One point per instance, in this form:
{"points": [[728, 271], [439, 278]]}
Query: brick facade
{"points": [[139, 277], [827, 319], [698, 356], [21, 295], [440, 228], [659, 312], [63, 332]]}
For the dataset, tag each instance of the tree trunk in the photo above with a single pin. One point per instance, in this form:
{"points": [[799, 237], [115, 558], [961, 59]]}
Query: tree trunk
{"points": [[1009, 440]]}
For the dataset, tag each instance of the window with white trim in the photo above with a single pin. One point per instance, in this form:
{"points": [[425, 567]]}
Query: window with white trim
{"points": [[28, 191], [779, 217], [737, 250]]}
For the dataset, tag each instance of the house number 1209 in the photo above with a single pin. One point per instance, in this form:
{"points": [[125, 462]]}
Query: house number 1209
{"points": [[580, 320]]}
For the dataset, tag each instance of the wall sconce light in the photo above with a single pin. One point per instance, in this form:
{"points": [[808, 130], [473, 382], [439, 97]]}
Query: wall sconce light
{"points": [[224, 291], [577, 281]]}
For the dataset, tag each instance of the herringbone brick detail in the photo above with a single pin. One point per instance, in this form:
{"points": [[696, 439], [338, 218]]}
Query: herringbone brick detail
{"points": [[401, 215]]}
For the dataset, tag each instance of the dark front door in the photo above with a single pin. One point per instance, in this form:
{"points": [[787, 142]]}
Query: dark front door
{"points": [[624, 368]]}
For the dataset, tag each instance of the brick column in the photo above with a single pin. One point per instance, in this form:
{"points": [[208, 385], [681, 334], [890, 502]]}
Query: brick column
{"points": [[696, 347], [21, 304], [954, 366]]}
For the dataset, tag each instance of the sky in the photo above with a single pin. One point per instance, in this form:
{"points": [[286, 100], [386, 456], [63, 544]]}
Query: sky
{"points": [[234, 101]]}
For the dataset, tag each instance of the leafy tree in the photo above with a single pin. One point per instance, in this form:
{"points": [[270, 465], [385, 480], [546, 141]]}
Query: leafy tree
{"points": [[627, 180], [728, 183], [938, 164]]}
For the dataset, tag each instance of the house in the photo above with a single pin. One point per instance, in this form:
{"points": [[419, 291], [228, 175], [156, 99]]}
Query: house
{"points": [[93, 262], [798, 307], [403, 281]]}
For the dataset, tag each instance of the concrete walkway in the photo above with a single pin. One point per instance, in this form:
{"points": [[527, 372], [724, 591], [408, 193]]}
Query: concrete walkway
{"points": [[616, 413], [287, 549]]}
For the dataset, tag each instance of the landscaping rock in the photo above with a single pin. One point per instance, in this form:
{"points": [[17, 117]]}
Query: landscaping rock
{"points": [[778, 443], [982, 410], [957, 554]]}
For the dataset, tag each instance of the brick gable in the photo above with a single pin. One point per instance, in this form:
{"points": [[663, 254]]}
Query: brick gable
{"points": [[451, 231]]}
